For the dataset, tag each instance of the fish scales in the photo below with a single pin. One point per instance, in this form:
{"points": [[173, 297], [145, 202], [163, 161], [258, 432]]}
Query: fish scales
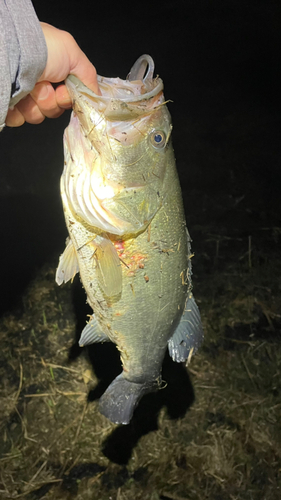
{"points": [[159, 302], [128, 239]]}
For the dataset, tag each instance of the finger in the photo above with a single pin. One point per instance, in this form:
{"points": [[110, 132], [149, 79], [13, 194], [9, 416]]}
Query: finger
{"points": [[30, 111], [14, 118], [62, 97], [44, 95]]}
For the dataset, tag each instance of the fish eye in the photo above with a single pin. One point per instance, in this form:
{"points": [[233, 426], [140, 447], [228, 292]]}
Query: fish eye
{"points": [[158, 139]]}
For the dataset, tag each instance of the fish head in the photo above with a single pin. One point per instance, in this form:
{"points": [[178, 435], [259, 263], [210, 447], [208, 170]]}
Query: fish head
{"points": [[117, 149]]}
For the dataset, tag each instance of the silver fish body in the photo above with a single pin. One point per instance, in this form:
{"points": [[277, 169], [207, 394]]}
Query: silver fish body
{"points": [[127, 234]]}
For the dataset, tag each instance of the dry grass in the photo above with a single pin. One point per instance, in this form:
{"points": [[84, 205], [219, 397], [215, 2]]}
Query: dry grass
{"points": [[226, 445]]}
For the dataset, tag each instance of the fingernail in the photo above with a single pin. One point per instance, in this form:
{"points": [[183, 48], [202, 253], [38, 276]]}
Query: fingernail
{"points": [[41, 91]]}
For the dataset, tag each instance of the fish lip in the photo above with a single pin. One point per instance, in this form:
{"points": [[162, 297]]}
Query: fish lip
{"points": [[74, 85], [115, 107], [121, 100]]}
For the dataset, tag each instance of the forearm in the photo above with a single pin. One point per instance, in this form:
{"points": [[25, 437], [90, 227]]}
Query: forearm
{"points": [[23, 52]]}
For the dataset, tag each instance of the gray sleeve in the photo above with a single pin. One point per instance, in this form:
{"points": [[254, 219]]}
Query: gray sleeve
{"points": [[23, 52]]}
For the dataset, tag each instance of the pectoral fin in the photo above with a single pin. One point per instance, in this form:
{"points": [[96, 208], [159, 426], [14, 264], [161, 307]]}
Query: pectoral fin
{"points": [[68, 264], [189, 334], [92, 333], [134, 206], [108, 267]]}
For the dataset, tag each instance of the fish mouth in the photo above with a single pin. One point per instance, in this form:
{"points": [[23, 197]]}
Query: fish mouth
{"points": [[113, 176], [121, 99]]}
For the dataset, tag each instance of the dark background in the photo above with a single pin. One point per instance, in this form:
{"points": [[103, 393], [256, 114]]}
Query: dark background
{"points": [[220, 63]]}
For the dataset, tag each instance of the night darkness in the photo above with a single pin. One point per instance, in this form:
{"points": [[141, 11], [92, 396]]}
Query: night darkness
{"points": [[220, 64]]}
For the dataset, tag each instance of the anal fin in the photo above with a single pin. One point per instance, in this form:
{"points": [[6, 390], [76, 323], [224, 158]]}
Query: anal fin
{"points": [[189, 334], [92, 333]]}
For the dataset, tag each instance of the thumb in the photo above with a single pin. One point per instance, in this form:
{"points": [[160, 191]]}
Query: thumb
{"points": [[81, 67], [65, 57]]}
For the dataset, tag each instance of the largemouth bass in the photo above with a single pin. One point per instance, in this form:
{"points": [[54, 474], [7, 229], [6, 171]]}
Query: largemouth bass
{"points": [[127, 232]]}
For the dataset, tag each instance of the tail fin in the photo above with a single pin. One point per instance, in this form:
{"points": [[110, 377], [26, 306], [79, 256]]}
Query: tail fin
{"points": [[121, 398]]}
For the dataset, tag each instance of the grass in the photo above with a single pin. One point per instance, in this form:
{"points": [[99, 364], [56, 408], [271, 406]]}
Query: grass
{"points": [[222, 443]]}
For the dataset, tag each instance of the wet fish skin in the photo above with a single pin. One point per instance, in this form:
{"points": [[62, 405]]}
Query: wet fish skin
{"points": [[123, 209]]}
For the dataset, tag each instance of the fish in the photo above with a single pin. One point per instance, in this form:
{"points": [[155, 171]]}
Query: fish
{"points": [[127, 238]]}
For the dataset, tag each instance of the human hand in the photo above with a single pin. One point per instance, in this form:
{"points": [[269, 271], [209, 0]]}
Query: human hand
{"points": [[64, 57]]}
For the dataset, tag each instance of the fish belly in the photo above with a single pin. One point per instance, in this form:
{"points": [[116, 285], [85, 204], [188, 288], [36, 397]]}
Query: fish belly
{"points": [[154, 294], [141, 319], [155, 283]]}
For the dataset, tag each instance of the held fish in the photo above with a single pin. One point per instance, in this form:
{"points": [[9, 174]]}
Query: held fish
{"points": [[127, 233]]}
